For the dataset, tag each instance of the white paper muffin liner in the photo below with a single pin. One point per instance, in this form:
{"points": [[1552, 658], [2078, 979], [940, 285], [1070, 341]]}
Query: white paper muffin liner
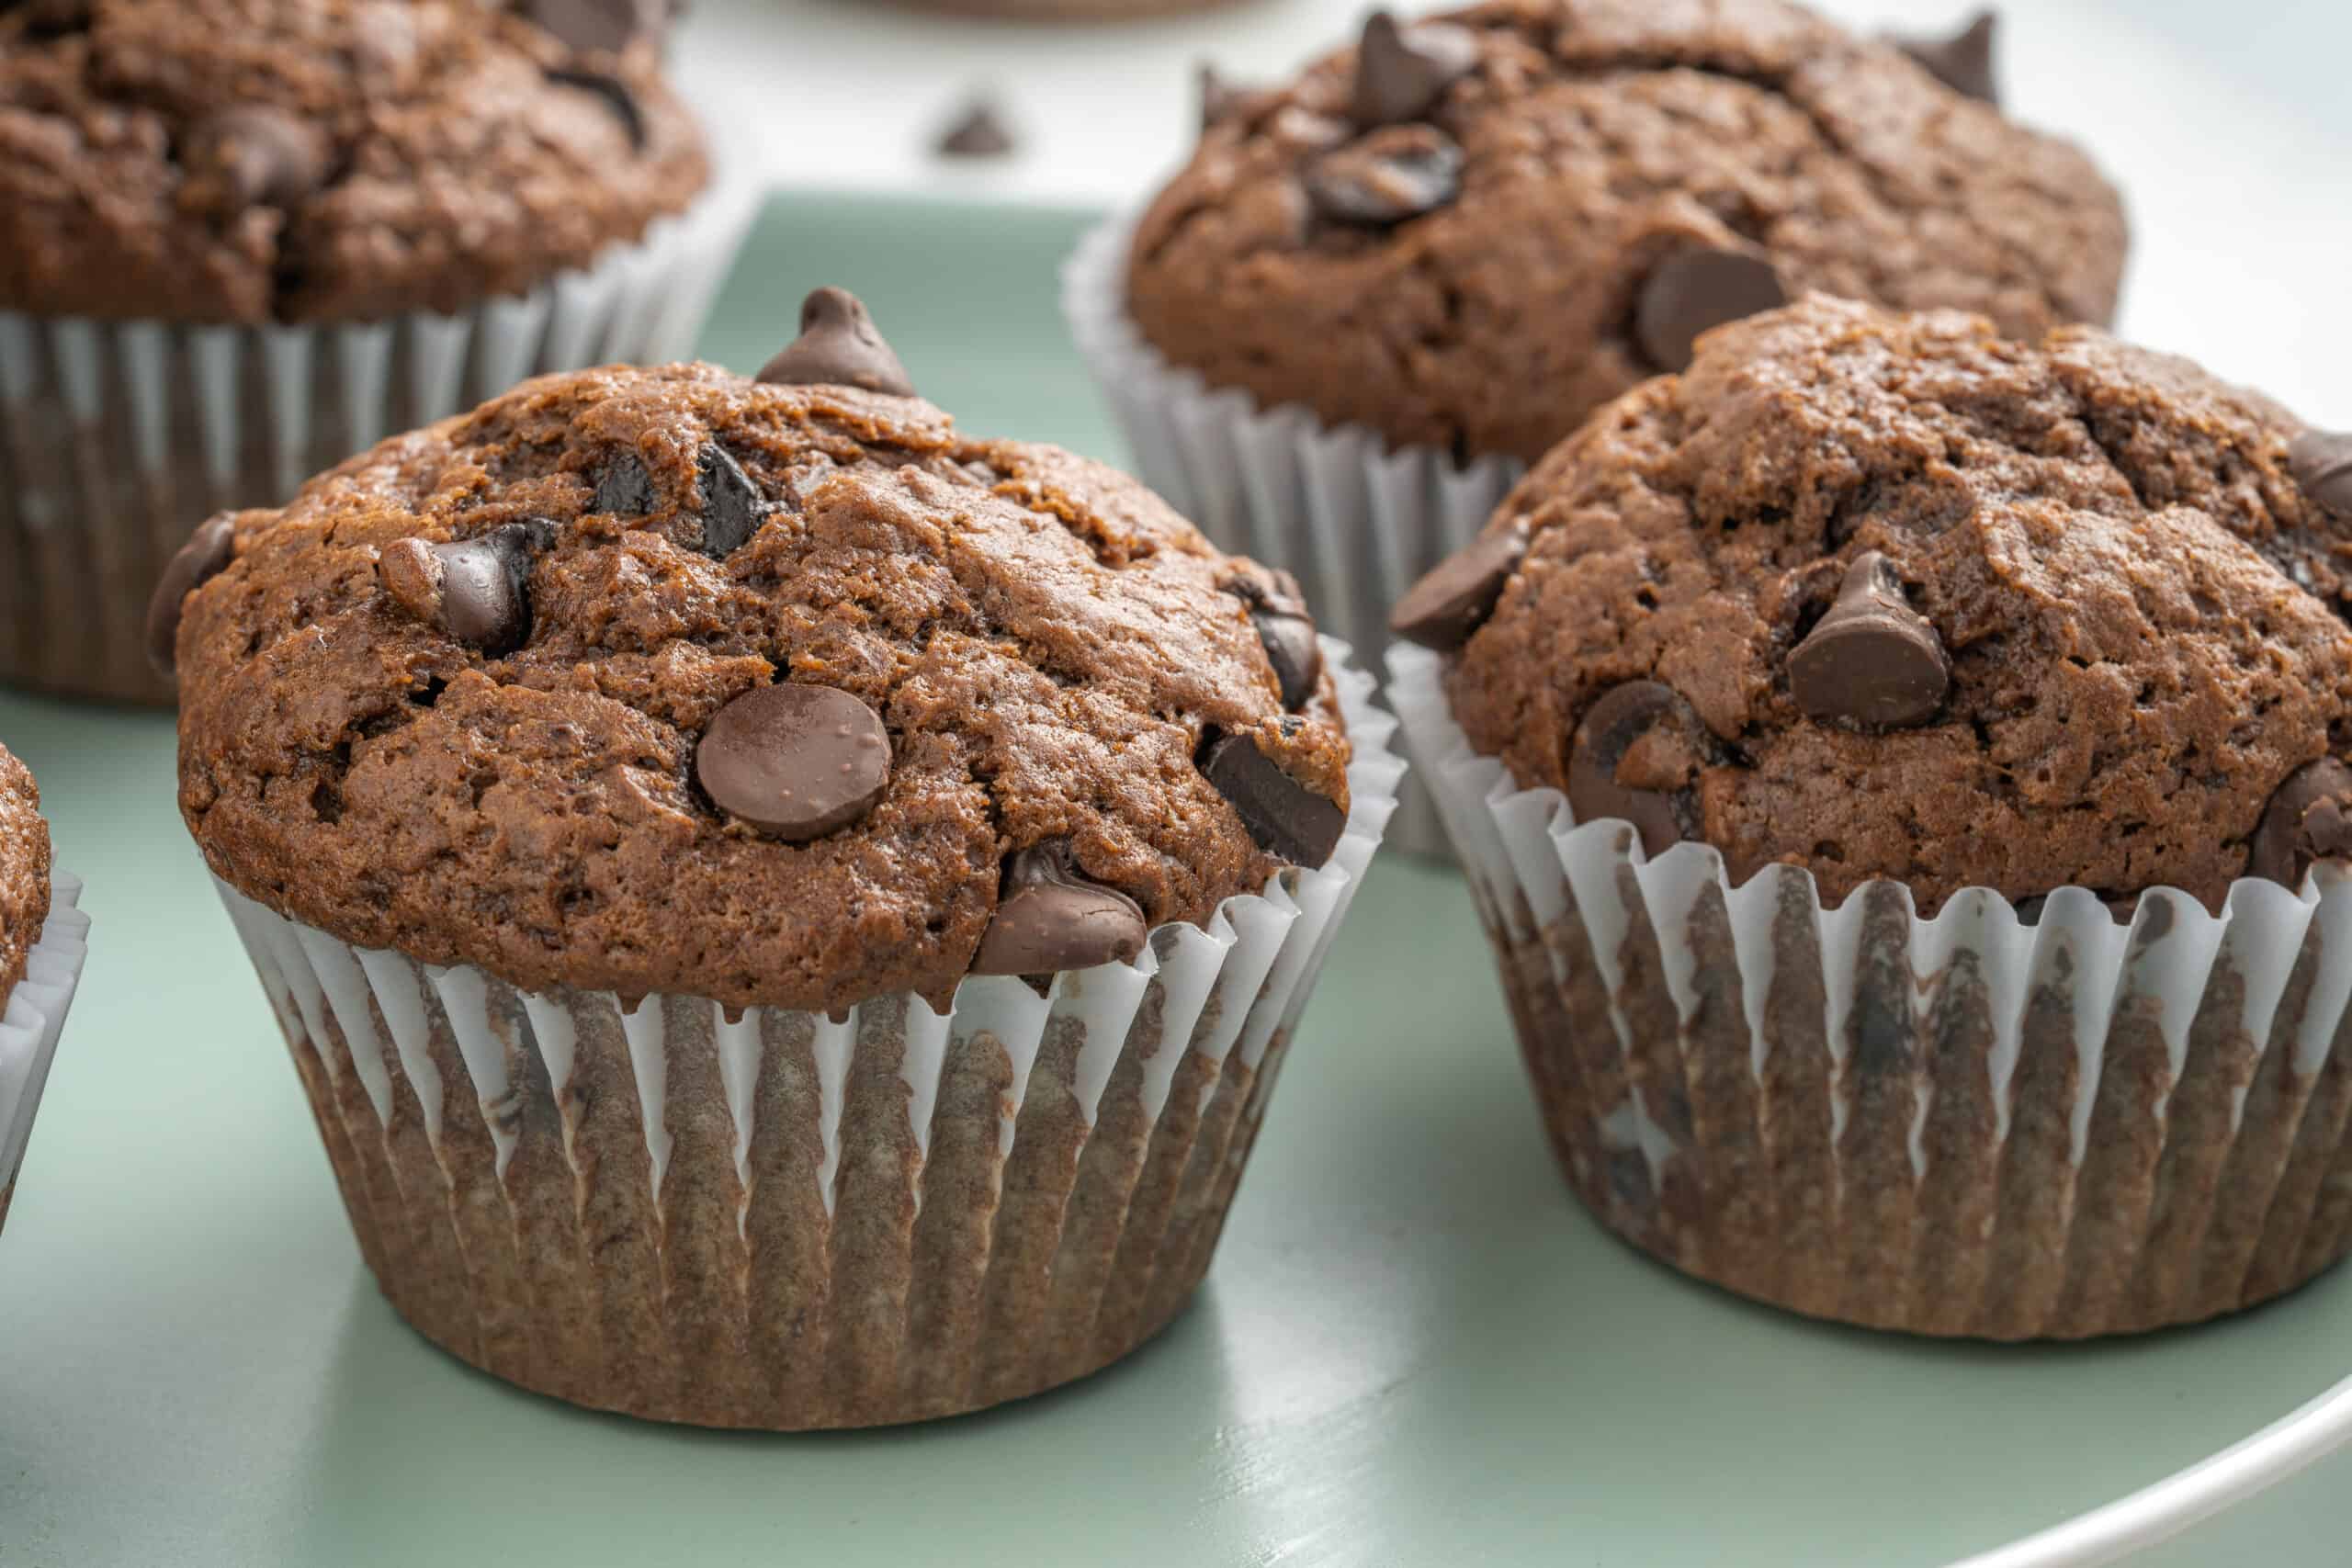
{"points": [[1356, 521], [33, 1019], [1963, 1125], [783, 1220], [116, 438]]}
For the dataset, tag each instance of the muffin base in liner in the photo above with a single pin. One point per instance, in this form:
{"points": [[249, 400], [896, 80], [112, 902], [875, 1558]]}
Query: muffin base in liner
{"points": [[33, 1019], [1963, 1125], [1356, 521], [116, 438], [777, 1219]]}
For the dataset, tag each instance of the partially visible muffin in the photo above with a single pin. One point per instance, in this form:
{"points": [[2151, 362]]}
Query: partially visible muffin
{"points": [[24, 906]]}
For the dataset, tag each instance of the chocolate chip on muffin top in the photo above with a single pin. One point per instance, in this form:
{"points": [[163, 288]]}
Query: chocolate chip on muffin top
{"points": [[1470, 231], [1887, 595], [303, 160], [782, 691], [24, 871]]}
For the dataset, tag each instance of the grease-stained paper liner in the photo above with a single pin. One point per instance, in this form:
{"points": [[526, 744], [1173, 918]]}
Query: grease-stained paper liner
{"points": [[117, 438], [787, 1221], [1356, 521], [1963, 1125], [32, 1015]]}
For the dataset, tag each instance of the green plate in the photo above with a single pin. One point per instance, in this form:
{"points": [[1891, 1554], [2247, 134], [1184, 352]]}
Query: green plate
{"points": [[1414, 1348]]}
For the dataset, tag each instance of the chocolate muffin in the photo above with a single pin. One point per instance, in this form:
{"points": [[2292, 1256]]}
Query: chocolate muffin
{"points": [[242, 239], [2007, 687], [42, 947], [835, 885]]}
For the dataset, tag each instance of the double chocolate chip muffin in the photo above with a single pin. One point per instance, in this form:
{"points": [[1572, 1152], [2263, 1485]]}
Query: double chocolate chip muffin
{"points": [[876, 864], [1987, 672]]}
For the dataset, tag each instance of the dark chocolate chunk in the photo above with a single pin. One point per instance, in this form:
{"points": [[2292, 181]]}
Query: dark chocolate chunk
{"points": [[205, 556], [2309, 819], [1454, 599], [795, 762], [623, 487], [1287, 633], [1220, 99], [1289, 821], [1692, 292], [255, 155], [1962, 61], [1404, 172], [837, 346], [2321, 461], [605, 26], [1627, 714], [476, 590], [732, 506], [1050, 919], [617, 95], [978, 132], [1873, 661], [1402, 72]]}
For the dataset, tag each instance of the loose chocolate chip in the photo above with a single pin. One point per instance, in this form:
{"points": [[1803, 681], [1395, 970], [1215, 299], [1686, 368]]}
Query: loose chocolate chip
{"points": [[2321, 461], [476, 590], [732, 506], [978, 132], [1443, 608], [255, 155], [1962, 61], [1287, 819], [1692, 292], [1051, 919], [1873, 661], [837, 346], [1402, 72], [623, 487], [204, 557], [1287, 633], [1612, 726], [795, 762], [610, 25], [617, 95], [1405, 171], [2309, 819]]}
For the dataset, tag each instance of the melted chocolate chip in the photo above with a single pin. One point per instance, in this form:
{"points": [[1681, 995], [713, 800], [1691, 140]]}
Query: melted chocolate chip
{"points": [[1612, 728], [978, 132], [1962, 61], [1692, 292], [837, 346], [477, 590], [1454, 599], [2309, 819], [1873, 661], [1286, 632], [1288, 820], [617, 95], [795, 762], [2321, 462], [1051, 919], [205, 555], [623, 487], [732, 506], [1405, 172], [598, 25], [1402, 72], [255, 155]]}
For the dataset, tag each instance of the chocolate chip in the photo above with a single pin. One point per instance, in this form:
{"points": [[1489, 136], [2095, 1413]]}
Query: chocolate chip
{"points": [[476, 590], [1626, 715], [978, 132], [1692, 292], [1220, 99], [606, 26], [1405, 171], [1402, 72], [254, 155], [205, 556], [1962, 61], [1443, 608], [2321, 461], [623, 488], [1286, 632], [1873, 661], [50, 15], [617, 95], [1051, 919], [837, 346], [2309, 819], [795, 762], [1288, 820], [732, 506]]}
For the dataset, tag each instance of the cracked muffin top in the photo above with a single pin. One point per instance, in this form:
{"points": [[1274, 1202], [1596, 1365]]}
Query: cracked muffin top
{"points": [[779, 692], [1888, 595], [244, 161], [24, 871], [1470, 233]]}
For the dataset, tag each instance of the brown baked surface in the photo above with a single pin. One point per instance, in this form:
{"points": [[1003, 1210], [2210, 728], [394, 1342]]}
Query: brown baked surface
{"points": [[1598, 137], [457, 169], [2106, 541], [1049, 644], [24, 871]]}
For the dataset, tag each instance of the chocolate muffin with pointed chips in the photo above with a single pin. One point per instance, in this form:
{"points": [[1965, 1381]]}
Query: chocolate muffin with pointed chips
{"points": [[784, 845]]}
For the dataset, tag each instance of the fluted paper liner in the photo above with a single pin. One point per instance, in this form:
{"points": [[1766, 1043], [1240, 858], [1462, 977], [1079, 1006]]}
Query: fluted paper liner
{"points": [[783, 1220], [1356, 521], [32, 1017], [116, 438], [1963, 1125]]}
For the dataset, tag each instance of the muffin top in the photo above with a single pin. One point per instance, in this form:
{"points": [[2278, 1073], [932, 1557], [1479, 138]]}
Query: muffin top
{"points": [[1887, 595], [244, 161], [24, 871], [780, 693], [1469, 233]]}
